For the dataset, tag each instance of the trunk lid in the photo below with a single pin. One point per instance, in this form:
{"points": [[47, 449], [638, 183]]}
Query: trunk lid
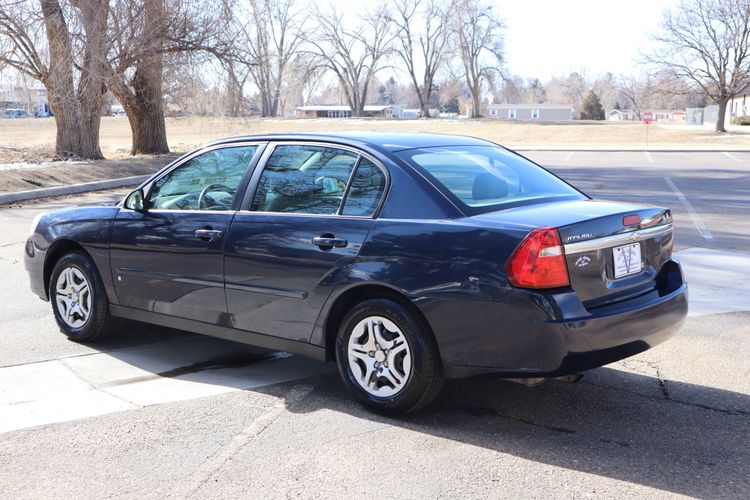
{"points": [[613, 250]]}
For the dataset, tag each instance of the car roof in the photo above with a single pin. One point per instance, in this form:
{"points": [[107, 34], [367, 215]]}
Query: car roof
{"points": [[391, 141]]}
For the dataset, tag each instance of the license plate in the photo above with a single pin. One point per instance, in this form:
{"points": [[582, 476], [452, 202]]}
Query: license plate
{"points": [[627, 260]]}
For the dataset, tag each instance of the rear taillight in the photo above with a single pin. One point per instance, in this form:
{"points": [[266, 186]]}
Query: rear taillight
{"points": [[539, 261]]}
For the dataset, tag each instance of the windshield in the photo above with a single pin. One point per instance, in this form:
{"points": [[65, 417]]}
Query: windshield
{"points": [[487, 178]]}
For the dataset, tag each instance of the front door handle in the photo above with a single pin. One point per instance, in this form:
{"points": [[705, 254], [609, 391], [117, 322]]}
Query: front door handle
{"points": [[328, 241], [208, 234]]}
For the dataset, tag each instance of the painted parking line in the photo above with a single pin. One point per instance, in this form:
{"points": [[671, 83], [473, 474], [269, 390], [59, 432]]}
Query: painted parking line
{"points": [[731, 157], [83, 386], [648, 155], [568, 156], [699, 224]]}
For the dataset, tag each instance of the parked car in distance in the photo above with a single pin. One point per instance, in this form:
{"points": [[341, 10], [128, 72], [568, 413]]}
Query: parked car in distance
{"points": [[404, 258], [15, 113]]}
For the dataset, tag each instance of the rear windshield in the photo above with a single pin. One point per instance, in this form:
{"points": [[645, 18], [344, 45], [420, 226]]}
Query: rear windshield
{"points": [[487, 178]]}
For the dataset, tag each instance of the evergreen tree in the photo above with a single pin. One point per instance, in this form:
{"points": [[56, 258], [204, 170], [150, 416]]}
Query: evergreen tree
{"points": [[592, 107]]}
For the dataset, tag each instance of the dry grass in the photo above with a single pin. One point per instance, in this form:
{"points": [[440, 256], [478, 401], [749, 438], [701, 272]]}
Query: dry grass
{"points": [[33, 139]]}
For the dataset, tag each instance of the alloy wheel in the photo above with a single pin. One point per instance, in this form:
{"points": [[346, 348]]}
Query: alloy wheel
{"points": [[73, 297], [379, 356]]}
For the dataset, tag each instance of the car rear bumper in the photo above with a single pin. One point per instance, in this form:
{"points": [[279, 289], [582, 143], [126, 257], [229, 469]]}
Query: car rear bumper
{"points": [[540, 335]]}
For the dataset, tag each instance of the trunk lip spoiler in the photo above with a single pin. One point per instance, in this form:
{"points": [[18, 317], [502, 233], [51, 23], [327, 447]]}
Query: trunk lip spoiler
{"points": [[617, 239]]}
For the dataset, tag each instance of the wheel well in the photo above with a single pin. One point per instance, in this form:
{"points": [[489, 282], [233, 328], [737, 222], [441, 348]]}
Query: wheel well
{"points": [[55, 253], [354, 296]]}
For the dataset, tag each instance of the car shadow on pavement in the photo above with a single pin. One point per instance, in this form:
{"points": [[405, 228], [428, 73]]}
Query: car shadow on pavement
{"points": [[677, 437], [630, 425]]}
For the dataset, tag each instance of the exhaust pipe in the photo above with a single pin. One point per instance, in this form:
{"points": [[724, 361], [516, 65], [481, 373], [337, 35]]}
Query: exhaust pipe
{"points": [[537, 381]]}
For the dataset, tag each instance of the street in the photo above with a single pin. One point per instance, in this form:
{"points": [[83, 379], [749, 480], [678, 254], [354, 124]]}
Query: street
{"points": [[154, 412]]}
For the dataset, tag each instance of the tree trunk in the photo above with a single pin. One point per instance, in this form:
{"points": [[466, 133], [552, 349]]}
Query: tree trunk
{"points": [[145, 107], [475, 103], [59, 80], [720, 127], [234, 92], [67, 136], [93, 70], [146, 115]]}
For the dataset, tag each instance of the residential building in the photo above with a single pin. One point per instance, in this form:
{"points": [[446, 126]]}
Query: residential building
{"points": [[32, 99], [344, 111], [739, 105], [530, 112], [657, 115]]}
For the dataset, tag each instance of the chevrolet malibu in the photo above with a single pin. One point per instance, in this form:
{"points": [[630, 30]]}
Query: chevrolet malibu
{"points": [[404, 258]]}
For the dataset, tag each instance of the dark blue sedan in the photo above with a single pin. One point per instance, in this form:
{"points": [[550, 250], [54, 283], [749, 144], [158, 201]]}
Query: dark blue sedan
{"points": [[405, 258]]}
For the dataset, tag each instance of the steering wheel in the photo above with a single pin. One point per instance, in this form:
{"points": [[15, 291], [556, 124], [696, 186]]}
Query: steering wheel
{"points": [[212, 187], [321, 181]]}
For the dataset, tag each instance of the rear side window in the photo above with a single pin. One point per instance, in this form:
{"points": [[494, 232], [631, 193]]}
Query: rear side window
{"points": [[486, 178], [367, 186], [304, 179]]}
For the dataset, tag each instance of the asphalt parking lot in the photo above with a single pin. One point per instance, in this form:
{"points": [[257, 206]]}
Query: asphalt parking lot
{"points": [[156, 412]]}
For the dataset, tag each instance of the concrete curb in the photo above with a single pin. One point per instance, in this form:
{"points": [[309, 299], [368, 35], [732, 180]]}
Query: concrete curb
{"points": [[34, 194], [86, 187]]}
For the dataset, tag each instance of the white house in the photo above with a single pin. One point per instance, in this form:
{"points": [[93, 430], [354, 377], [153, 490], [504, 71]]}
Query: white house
{"points": [[344, 111], [33, 99], [657, 115], [739, 106]]}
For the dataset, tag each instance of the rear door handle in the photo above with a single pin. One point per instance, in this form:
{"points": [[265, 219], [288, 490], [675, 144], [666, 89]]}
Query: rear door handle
{"points": [[326, 242], [208, 234]]}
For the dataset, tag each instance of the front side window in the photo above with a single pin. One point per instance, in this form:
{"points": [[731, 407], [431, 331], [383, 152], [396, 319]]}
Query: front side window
{"points": [[486, 178], [304, 179], [207, 182]]}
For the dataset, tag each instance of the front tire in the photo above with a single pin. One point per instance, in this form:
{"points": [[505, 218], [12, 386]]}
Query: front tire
{"points": [[79, 300], [387, 358]]}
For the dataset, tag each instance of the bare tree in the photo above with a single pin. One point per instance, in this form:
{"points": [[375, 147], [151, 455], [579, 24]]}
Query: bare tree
{"points": [[431, 37], [480, 43], [605, 86], [353, 51], [304, 82], [233, 62], [636, 92], [707, 42], [144, 34], [269, 36], [70, 65]]}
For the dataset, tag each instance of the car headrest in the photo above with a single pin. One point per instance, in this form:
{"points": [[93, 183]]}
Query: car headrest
{"points": [[487, 186]]}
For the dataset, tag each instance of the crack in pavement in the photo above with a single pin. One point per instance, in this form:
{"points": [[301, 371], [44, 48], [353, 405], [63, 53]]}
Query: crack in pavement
{"points": [[212, 465], [657, 372], [480, 411], [95, 388], [742, 413], [5, 245]]}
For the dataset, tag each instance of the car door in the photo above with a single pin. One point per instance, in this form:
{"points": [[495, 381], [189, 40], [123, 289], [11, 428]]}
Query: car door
{"points": [[312, 207], [169, 257]]}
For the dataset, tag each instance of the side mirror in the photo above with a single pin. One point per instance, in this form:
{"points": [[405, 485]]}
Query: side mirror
{"points": [[134, 201]]}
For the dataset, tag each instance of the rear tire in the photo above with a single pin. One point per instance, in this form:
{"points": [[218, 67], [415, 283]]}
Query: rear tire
{"points": [[387, 358], [79, 300]]}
